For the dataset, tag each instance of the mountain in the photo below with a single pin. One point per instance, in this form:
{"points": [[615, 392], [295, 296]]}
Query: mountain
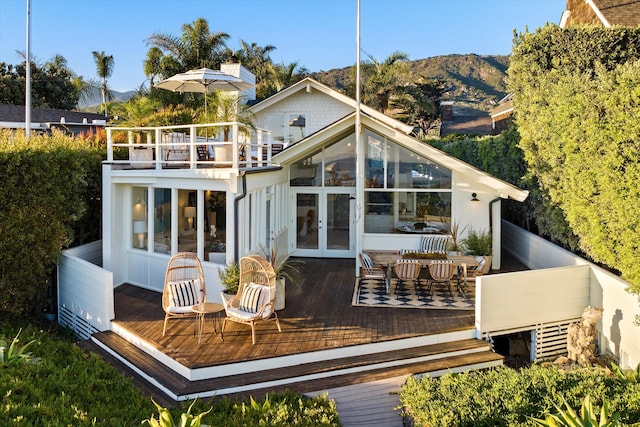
{"points": [[475, 82], [93, 102]]}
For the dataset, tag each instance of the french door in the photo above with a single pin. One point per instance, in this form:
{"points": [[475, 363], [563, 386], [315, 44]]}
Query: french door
{"points": [[324, 223]]}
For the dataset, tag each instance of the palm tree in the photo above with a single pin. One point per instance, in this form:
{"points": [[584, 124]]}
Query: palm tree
{"points": [[104, 66], [256, 58], [197, 46], [383, 79], [282, 76], [227, 107], [153, 65]]}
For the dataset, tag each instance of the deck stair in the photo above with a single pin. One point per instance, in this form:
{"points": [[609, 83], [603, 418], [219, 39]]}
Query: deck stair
{"points": [[435, 359]]}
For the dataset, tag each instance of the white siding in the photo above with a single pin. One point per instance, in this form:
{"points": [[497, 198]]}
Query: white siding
{"points": [[320, 110]]}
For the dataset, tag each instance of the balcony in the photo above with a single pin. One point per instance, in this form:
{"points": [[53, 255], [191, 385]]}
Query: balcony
{"points": [[220, 145]]}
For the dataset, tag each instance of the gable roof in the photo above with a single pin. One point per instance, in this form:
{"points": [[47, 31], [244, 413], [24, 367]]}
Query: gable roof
{"points": [[607, 12], [309, 144], [308, 84]]}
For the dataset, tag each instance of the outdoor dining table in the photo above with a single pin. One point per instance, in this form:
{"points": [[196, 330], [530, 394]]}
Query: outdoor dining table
{"points": [[386, 259]]}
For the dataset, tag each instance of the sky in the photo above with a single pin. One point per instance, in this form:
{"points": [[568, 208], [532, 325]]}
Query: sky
{"points": [[319, 34]]}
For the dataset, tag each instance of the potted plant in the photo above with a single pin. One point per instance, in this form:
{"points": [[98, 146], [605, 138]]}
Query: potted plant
{"points": [[478, 243], [230, 278], [454, 245], [285, 268]]}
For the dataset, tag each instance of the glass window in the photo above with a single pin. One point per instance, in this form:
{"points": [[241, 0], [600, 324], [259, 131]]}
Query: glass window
{"points": [[139, 217], [340, 163], [374, 160], [162, 220], [276, 126], [307, 172], [216, 223], [297, 127], [188, 213], [395, 168], [287, 128]]}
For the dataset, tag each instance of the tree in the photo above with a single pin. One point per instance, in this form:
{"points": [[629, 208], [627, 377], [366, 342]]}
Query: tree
{"points": [[256, 59], [418, 104], [153, 65], [197, 47], [104, 67], [280, 77], [53, 84], [382, 80], [577, 107]]}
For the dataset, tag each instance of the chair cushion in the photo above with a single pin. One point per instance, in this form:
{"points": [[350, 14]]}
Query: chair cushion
{"points": [[184, 293], [254, 296], [434, 244]]}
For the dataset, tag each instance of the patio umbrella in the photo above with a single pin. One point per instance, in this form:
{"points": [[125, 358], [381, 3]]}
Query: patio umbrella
{"points": [[203, 80]]}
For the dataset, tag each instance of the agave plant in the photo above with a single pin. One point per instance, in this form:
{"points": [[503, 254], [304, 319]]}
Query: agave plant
{"points": [[165, 419], [628, 376], [15, 355], [587, 417]]}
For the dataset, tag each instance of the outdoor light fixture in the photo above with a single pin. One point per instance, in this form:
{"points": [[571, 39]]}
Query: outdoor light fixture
{"points": [[474, 197], [190, 213], [139, 228]]}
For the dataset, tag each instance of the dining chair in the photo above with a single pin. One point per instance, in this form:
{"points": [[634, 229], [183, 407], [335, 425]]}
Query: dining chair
{"points": [[407, 270], [368, 271], [440, 273]]}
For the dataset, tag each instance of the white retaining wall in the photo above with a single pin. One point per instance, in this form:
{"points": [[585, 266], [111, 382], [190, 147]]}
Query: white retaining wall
{"points": [[85, 290], [617, 333]]}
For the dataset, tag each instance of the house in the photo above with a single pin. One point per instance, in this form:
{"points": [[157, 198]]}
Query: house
{"points": [[46, 119], [329, 194], [502, 114], [322, 196], [601, 12], [456, 122]]}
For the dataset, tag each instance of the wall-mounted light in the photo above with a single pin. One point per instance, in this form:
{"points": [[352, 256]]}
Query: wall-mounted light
{"points": [[474, 197], [139, 228]]}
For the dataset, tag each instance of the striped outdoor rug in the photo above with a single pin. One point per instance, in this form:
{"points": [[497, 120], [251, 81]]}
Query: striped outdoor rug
{"points": [[371, 293]]}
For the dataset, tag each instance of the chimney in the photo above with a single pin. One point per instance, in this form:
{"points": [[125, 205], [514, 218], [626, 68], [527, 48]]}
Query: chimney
{"points": [[446, 111], [234, 68]]}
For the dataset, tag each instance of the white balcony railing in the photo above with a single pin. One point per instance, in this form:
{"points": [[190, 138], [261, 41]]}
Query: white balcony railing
{"points": [[230, 145]]}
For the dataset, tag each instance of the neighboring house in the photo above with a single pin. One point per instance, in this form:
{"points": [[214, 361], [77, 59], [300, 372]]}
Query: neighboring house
{"points": [[601, 12], [310, 201], [502, 114], [454, 122], [46, 119]]}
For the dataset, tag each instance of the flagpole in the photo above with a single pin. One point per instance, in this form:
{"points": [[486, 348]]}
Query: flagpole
{"points": [[27, 88], [359, 224]]}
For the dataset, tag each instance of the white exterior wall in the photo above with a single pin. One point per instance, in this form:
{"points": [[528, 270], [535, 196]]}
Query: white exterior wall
{"points": [[617, 333], [319, 109]]}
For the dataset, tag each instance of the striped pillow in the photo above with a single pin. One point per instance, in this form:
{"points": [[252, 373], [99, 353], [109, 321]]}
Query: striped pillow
{"points": [[183, 293], [252, 297], [366, 260]]}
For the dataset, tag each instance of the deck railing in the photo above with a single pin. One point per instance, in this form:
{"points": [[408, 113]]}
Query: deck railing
{"points": [[229, 144]]}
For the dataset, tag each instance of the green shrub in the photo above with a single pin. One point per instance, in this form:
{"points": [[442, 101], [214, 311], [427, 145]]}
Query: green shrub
{"points": [[70, 387], [507, 397], [477, 243], [50, 197]]}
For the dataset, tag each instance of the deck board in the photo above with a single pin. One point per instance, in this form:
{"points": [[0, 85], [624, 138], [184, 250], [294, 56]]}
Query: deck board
{"points": [[318, 316]]}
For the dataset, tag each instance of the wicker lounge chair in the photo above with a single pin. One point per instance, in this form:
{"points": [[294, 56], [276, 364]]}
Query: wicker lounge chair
{"points": [[184, 287], [255, 300]]}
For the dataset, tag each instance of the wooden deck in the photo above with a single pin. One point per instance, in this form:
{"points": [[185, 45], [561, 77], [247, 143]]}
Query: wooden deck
{"points": [[318, 316]]}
